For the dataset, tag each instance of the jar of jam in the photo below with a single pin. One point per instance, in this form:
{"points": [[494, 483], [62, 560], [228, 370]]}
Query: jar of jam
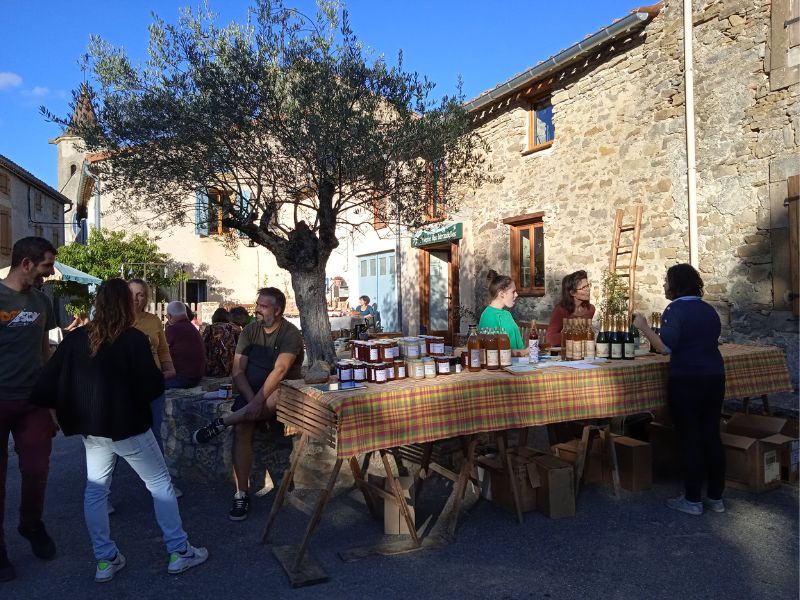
{"points": [[354, 349], [344, 370], [442, 365], [390, 374], [359, 371], [399, 368], [385, 352], [457, 364], [411, 348], [373, 352], [379, 373], [435, 345], [429, 366], [423, 345], [395, 349], [416, 370]]}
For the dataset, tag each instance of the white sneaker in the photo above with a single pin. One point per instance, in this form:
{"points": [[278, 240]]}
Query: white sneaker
{"points": [[683, 505], [106, 568], [717, 506], [182, 561]]}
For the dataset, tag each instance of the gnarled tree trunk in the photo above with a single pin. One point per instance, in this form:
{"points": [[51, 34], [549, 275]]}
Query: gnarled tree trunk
{"points": [[309, 292]]}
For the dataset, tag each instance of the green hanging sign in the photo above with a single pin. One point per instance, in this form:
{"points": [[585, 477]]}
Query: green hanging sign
{"points": [[435, 234]]}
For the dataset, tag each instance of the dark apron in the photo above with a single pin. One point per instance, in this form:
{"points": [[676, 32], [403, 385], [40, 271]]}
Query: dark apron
{"points": [[260, 363]]}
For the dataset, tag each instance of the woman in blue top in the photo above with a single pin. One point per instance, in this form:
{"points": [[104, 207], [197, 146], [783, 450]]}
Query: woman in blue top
{"points": [[690, 330], [365, 310], [502, 296]]}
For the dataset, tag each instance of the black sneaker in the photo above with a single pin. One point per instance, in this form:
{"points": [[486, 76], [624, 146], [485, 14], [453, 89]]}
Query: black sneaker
{"points": [[7, 571], [42, 544], [208, 432], [241, 504]]}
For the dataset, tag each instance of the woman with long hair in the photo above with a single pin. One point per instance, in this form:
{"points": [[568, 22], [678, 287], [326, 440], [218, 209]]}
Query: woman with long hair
{"points": [[690, 330], [100, 383], [574, 304], [502, 296]]}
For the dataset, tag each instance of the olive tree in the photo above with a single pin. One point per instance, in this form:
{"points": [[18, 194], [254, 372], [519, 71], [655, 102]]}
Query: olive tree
{"points": [[302, 129]]}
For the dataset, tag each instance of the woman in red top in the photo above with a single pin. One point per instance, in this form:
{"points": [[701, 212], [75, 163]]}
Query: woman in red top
{"points": [[574, 304]]}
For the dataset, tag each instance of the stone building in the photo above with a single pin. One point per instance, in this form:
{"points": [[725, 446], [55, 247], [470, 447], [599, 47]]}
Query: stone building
{"points": [[602, 126], [28, 206]]}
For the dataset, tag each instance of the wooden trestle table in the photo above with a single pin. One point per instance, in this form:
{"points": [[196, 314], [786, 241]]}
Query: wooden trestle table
{"points": [[424, 411]]}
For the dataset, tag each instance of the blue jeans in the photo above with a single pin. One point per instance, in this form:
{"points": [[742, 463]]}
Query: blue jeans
{"points": [[142, 454], [157, 408]]}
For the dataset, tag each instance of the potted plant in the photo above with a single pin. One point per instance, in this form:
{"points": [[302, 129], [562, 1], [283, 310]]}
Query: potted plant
{"points": [[614, 294]]}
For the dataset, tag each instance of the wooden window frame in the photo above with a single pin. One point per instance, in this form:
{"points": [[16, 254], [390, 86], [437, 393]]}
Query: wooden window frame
{"points": [[535, 106], [5, 231], [54, 206], [5, 183], [518, 224], [217, 207], [38, 201], [434, 194]]}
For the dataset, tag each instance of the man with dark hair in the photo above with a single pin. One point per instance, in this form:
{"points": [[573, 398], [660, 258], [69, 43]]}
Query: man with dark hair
{"points": [[26, 315], [239, 316], [268, 351]]}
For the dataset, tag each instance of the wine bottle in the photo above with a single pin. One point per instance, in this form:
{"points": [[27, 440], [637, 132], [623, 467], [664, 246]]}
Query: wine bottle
{"points": [[602, 349], [473, 349], [616, 342], [533, 344], [589, 347], [629, 350]]}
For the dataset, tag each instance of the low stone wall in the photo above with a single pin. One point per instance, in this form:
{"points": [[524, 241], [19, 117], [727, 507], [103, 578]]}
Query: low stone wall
{"points": [[187, 410]]}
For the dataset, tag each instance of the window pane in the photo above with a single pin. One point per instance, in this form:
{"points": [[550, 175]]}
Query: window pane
{"points": [[382, 265], [391, 265], [525, 257], [363, 268], [372, 267], [543, 124], [538, 260]]}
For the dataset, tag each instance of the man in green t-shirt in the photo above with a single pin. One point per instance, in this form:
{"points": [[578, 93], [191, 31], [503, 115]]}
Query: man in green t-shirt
{"points": [[26, 315], [269, 351]]}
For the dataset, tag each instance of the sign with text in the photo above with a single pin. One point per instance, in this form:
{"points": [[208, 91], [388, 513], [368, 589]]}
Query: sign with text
{"points": [[437, 233]]}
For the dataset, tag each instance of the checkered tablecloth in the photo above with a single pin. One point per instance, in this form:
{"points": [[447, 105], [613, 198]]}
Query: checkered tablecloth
{"points": [[415, 411]]}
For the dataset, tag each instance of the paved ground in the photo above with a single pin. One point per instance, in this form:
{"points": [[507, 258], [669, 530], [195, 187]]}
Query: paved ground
{"points": [[628, 547]]}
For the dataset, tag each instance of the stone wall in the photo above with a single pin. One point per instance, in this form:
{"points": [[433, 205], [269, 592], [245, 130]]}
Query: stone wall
{"points": [[620, 141]]}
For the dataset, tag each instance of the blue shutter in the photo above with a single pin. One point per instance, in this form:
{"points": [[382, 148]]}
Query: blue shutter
{"points": [[201, 213], [243, 200]]}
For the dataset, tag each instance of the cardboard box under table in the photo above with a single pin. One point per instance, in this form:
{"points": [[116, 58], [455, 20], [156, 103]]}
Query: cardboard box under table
{"points": [[758, 454], [634, 460]]}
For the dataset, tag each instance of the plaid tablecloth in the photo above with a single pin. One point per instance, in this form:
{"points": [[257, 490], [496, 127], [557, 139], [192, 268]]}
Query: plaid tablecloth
{"points": [[414, 411]]}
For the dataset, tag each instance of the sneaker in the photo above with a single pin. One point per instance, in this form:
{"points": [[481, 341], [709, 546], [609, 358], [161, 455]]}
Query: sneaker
{"points": [[717, 506], [106, 568], [683, 505], [7, 571], [241, 504], [182, 561], [208, 432], [42, 544], [178, 492]]}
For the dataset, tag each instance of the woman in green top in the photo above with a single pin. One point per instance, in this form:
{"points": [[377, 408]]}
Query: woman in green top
{"points": [[502, 294]]}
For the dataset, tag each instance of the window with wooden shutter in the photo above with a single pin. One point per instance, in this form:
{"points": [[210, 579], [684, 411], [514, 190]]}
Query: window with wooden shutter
{"points": [[37, 196], [527, 253], [4, 183], [435, 189], [5, 231]]}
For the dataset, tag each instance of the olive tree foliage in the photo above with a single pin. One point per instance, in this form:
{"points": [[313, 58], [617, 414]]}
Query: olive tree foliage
{"points": [[300, 126]]}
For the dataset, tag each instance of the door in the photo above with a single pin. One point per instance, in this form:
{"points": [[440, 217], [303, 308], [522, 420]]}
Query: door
{"points": [[376, 279], [196, 291], [439, 289]]}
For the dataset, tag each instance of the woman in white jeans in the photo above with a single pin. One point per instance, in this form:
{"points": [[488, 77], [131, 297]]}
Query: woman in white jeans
{"points": [[99, 383]]}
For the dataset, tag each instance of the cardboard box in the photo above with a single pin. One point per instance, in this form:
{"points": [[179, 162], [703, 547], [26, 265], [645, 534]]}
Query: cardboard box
{"points": [[779, 431], [752, 464], [593, 469], [665, 448], [555, 497], [525, 473], [393, 521], [634, 460]]}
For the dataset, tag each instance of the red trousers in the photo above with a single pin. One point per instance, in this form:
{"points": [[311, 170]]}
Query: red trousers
{"points": [[32, 430]]}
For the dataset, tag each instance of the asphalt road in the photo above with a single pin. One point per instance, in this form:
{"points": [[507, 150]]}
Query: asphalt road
{"points": [[628, 547]]}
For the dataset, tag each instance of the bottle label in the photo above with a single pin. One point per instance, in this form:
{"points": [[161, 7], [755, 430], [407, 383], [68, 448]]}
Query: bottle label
{"points": [[505, 358], [412, 351], [390, 372], [437, 348], [359, 374], [589, 349], [475, 358], [380, 375], [401, 371], [443, 367], [570, 349], [616, 350], [602, 349], [483, 356], [630, 349], [533, 351], [430, 369], [373, 354], [492, 358]]}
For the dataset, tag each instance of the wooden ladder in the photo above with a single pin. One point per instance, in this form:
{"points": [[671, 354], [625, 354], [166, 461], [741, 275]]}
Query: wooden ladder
{"points": [[629, 246]]}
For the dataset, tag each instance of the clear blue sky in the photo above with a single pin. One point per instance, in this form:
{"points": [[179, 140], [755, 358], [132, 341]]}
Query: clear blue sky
{"points": [[484, 42]]}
